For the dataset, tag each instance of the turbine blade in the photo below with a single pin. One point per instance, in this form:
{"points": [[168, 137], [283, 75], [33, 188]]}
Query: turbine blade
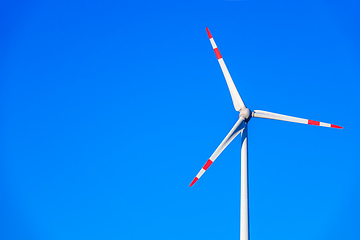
{"points": [[237, 101], [276, 116], [238, 127]]}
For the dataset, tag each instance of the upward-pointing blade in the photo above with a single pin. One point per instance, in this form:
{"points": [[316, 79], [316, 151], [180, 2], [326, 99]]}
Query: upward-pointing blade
{"points": [[237, 101], [238, 127]]}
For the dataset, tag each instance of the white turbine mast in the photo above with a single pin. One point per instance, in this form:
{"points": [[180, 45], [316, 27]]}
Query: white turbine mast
{"points": [[241, 127]]}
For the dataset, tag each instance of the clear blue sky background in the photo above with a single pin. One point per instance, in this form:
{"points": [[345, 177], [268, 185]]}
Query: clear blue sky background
{"points": [[110, 108]]}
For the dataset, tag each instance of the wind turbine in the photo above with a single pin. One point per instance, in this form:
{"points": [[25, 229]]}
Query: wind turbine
{"points": [[241, 127]]}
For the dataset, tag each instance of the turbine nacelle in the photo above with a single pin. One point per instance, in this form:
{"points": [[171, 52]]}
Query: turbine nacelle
{"points": [[245, 113]]}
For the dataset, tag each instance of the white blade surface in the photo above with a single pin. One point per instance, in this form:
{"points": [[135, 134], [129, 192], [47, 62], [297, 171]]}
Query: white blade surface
{"points": [[237, 101], [238, 127], [276, 116]]}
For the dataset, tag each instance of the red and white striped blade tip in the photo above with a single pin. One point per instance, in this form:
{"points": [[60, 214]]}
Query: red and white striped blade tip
{"points": [[208, 32], [193, 181], [202, 171], [316, 123], [281, 117]]}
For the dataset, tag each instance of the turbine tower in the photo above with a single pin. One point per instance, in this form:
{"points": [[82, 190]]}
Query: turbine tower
{"points": [[241, 127]]}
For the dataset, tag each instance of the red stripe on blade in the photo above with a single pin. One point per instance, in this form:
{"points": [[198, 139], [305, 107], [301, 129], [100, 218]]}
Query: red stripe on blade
{"points": [[194, 181], [217, 53], [311, 122], [208, 32], [336, 126], [207, 164]]}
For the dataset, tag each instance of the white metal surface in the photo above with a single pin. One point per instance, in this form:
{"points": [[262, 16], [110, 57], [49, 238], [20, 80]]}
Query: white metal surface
{"points": [[236, 129], [237, 101], [235, 96], [276, 116], [231, 135], [244, 191]]}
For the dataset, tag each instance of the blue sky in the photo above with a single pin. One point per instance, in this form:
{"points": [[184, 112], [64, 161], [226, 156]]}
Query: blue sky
{"points": [[110, 108]]}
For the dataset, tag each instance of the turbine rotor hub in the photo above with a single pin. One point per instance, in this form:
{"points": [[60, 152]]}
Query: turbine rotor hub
{"points": [[245, 113]]}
